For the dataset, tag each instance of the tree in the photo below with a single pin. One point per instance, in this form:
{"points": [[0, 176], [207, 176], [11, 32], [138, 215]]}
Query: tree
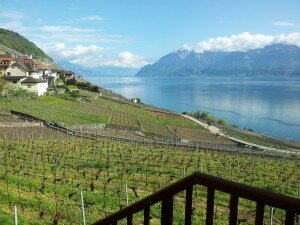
{"points": [[95, 89]]}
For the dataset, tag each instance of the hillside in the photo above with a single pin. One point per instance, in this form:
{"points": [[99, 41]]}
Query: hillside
{"points": [[276, 59], [15, 44]]}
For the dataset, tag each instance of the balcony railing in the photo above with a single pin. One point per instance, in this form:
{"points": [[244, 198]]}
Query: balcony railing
{"points": [[263, 198]]}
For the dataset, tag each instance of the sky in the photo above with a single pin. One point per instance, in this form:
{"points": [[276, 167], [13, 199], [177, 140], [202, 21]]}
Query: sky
{"points": [[133, 33]]}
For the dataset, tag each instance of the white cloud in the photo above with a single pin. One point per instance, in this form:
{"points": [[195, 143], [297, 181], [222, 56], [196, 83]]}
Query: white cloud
{"points": [[39, 21], [93, 56], [92, 18], [127, 59], [66, 29], [285, 24], [11, 14], [245, 41], [16, 26]]}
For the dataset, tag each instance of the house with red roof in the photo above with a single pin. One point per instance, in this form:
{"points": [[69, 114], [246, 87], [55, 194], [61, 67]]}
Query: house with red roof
{"points": [[5, 62]]}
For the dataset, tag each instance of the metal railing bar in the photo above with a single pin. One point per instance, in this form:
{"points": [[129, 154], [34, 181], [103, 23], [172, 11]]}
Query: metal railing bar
{"points": [[248, 192]]}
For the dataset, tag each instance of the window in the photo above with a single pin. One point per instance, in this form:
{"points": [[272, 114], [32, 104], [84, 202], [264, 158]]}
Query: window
{"points": [[29, 86], [14, 82], [8, 73]]}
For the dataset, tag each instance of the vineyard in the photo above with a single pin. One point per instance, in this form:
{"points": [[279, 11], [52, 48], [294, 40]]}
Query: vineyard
{"points": [[114, 114], [43, 172]]}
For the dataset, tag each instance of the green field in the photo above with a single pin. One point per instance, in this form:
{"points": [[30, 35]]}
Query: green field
{"points": [[43, 178]]}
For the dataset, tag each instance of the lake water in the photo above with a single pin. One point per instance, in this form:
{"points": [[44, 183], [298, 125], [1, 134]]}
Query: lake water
{"points": [[264, 105]]}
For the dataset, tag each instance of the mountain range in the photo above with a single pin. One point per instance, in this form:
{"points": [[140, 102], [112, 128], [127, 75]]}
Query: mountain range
{"points": [[98, 71], [276, 59]]}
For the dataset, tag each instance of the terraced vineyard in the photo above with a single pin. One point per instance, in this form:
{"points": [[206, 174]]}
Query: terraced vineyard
{"points": [[102, 110], [197, 135], [43, 178]]}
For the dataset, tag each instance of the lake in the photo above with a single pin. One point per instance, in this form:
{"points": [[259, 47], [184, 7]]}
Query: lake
{"points": [[263, 105]]}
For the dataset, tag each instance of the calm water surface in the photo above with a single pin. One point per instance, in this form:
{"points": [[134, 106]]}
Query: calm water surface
{"points": [[264, 105]]}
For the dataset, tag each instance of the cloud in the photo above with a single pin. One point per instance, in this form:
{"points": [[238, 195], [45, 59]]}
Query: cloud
{"points": [[244, 41], [71, 34], [285, 24], [91, 18], [93, 56], [66, 29], [11, 14], [127, 59], [39, 21], [16, 26]]}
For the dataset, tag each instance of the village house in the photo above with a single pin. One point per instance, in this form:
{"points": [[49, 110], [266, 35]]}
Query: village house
{"points": [[23, 69], [31, 75], [43, 70], [5, 62], [69, 75], [25, 75], [34, 85], [14, 81]]}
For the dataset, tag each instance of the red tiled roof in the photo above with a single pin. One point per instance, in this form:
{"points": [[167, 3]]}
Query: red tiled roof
{"points": [[41, 67]]}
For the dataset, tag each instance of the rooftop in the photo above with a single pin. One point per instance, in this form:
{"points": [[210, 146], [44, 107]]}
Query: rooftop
{"points": [[31, 80]]}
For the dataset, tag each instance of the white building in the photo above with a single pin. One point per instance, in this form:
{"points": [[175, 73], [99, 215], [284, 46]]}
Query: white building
{"points": [[33, 85], [17, 69], [14, 81]]}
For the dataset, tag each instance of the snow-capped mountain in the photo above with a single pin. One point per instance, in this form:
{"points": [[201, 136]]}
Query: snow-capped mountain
{"points": [[277, 59]]}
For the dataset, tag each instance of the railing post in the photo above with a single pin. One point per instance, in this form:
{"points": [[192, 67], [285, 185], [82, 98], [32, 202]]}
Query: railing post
{"points": [[167, 211], [129, 219], [147, 216], [233, 205], [289, 218], [210, 206], [188, 205], [259, 217]]}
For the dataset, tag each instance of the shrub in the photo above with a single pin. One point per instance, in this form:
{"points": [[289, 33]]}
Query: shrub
{"points": [[71, 82], [95, 89], [222, 122], [75, 94]]}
